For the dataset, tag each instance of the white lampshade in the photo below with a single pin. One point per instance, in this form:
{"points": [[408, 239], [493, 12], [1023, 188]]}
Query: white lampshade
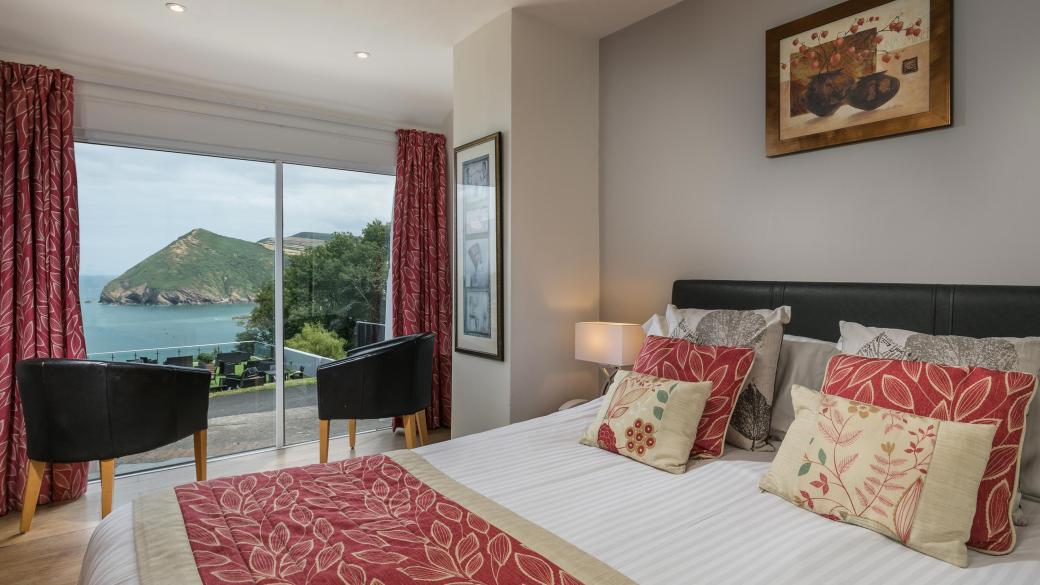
{"points": [[611, 344]]}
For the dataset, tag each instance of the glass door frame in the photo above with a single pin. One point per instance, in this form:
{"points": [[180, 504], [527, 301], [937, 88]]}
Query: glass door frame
{"points": [[279, 236], [279, 306]]}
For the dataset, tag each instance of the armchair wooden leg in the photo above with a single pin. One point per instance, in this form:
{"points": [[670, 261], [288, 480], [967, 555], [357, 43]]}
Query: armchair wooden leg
{"points": [[420, 424], [200, 455], [409, 430], [34, 477], [323, 441], [352, 430], [108, 475]]}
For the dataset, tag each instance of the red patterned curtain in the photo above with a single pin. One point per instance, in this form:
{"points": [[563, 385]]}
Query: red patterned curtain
{"points": [[420, 259], [39, 258]]}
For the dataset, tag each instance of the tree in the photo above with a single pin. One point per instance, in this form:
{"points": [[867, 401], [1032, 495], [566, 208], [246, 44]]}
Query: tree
{"points": [[315, 339], [334, 285], [260, 325], [338, 283]]}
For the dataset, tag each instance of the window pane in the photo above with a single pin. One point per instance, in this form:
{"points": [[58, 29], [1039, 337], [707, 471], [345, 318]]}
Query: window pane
{"points": [[173, 261], [337, 244]]}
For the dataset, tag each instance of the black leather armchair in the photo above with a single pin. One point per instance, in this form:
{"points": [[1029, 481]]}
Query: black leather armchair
{"points": [[82, 410], [385, 379]]}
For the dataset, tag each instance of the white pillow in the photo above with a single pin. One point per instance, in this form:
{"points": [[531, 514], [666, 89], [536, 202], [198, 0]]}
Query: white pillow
{"points": [[656, 325]]}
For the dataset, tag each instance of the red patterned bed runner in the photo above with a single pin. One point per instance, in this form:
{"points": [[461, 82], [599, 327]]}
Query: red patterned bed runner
{"points": [[363, 521]]}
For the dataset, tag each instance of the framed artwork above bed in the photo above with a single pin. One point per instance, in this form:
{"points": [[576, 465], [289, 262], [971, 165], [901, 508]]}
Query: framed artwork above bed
{"points": [[859, 70], [479, 310]]}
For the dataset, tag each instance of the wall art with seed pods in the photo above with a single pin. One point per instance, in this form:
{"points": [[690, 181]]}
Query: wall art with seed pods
{"points": [[862, 69]]}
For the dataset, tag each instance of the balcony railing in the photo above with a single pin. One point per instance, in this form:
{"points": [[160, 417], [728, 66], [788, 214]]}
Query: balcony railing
{"points": [[232, 358], [367, 333]]}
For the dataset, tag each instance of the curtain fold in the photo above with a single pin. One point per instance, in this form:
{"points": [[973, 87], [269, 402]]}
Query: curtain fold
{"points": [[420, 257], [39, 258]]}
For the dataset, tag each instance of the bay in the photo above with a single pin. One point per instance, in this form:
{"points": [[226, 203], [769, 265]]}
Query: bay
{"points": [[131, 331]]}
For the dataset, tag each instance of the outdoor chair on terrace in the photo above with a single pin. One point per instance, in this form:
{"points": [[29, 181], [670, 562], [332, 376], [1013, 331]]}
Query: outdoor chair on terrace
{"points": [[250, 377], [185, 361]]}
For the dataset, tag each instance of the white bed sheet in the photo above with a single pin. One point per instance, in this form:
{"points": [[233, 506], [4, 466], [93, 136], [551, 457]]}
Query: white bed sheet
{"points": [[710, 525]]}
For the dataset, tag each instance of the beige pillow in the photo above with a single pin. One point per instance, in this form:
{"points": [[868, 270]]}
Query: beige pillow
{"points": [[911, 478], [760, 330], [652, 420], [803, 361]]}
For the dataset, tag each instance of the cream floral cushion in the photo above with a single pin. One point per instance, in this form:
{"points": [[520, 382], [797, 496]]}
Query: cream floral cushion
{"points": [[649, 419], [912, 478]]}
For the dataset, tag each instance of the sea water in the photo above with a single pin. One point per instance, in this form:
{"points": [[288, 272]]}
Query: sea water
{"points": [[120, 328]]}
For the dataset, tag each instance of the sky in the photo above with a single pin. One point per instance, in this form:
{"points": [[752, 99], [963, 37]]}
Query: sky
{"points": [[133, 202]]}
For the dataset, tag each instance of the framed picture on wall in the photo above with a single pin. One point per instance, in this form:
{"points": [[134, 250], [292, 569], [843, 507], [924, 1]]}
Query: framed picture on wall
{"points": [[479, 310], [860, 70]]}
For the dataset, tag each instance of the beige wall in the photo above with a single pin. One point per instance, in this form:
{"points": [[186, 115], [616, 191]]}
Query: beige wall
{"points": [[482, 101], [538, 85], [554, 216], [688, 193]]}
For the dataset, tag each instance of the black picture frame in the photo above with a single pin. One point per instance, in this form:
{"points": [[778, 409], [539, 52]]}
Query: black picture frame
{"points": [[478, 249]]}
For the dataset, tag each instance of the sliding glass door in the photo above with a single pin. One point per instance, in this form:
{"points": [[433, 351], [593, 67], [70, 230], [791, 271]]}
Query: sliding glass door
{"points": [[336, 253], [179, 266]]}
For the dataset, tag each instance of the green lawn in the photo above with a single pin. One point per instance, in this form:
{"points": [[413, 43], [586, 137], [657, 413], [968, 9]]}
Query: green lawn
{"points": [[239, 368]]}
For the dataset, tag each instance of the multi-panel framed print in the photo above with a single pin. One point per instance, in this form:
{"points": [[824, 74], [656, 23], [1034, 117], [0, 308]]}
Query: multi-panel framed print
{"points": [[479, 323], [859, 70]]}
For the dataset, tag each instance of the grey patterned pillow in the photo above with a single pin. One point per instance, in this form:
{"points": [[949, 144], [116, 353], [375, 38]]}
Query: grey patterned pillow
{"points": [[760, 330]]}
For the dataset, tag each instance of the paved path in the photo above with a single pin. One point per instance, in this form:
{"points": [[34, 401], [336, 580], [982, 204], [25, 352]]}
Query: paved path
{"points": [[245, 422], [221, 405]]}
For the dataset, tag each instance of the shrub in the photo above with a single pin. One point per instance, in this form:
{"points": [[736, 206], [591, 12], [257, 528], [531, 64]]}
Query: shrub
{"points": [[314, 338]]}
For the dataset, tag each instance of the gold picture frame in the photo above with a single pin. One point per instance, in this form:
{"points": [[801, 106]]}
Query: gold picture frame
{"points": [[860, 70]]}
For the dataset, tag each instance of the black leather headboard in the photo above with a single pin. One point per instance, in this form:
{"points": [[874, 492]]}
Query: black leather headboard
{"points": [[816, 307]]}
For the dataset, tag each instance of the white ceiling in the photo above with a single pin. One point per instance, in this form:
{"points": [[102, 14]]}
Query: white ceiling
{"points": [[291, 52]]}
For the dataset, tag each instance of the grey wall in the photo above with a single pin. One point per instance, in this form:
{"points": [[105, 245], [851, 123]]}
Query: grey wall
{"points": [[687, 192]]}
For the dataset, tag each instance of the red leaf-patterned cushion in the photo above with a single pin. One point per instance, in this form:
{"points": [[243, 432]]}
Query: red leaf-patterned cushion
{"points": [[725, 367], [963, 394]]}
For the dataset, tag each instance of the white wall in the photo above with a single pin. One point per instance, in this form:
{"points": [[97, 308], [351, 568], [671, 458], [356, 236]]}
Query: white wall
{"points": [[114, 107], [538, 85], [688, 193]]}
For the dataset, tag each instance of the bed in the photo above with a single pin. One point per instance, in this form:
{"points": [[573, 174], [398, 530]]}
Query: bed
{"points": [[711, 524]]}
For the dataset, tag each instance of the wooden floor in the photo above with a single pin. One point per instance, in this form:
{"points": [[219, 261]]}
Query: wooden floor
{"points": [[51, 553]]}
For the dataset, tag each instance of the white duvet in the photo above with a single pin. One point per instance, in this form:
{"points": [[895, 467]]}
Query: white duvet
{"points": [[710, 525]]}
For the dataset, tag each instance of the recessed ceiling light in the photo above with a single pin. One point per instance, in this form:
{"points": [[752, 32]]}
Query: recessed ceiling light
{"points": [[173, 6], [362, 54]]}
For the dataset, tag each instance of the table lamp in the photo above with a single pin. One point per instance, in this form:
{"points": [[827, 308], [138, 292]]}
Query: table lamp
{"points": [[611, 345]]}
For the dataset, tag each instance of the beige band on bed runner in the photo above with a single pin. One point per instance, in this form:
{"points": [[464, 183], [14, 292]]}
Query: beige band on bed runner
{"points": [[163, 553], [164, 556], [578, 563]]}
